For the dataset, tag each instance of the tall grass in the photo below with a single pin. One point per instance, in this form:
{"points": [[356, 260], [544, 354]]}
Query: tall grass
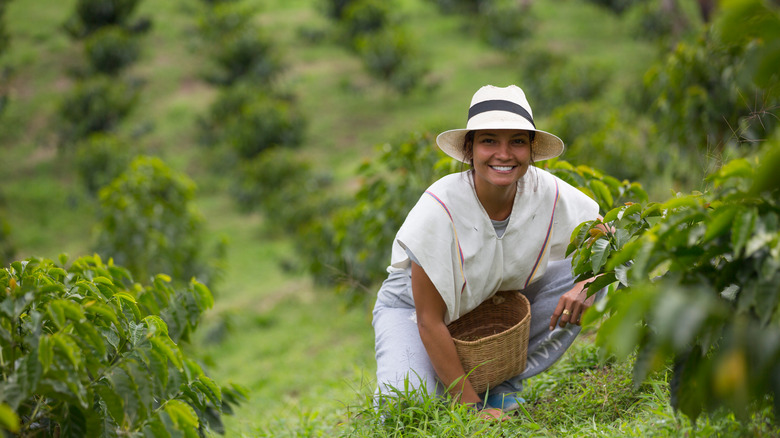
{"points": [[580, 395]]}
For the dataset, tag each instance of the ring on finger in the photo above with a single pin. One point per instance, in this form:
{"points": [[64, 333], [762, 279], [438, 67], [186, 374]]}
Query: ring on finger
{"points": [[566, 312]]}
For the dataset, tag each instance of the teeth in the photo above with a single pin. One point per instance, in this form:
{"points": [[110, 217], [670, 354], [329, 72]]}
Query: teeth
{"points": [[502, 168]]}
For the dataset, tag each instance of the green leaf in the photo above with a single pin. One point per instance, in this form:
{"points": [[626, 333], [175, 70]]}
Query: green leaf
{"points": [[214, 392], [104, 280], [681, 202], [602, 191], [113, 401], [101, 310], [69, 347], [612, 214], [59, 272], [742, 229], [601, 282], [720, 222], [204, 297], [127, 390], [156, 325], [45, 352], [166, 346], [631, 209], [182, 414], [599, 253], [8, 419], [90, 335], [652, 209]]}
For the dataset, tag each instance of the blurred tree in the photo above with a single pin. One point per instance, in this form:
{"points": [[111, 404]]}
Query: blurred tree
{"points": [[96, 104], [100, 159], [148, 224], [92, 15], [706, 96], [6, 247], [244, 55], [348, 248], [111, 49], [244, 121]]}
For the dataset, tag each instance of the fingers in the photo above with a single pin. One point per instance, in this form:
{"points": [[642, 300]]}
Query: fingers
{"points": [[494, 414], [558, 313], [568, 311]]}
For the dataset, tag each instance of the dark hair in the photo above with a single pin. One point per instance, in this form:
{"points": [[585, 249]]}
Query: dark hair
{"points": [[468, 147]]}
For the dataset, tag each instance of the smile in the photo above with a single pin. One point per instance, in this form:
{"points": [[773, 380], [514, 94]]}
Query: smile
{"points": [[502, 168]]}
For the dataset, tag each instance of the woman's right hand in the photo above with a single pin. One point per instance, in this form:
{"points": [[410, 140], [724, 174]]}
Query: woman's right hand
{"points": [[493, 414]]}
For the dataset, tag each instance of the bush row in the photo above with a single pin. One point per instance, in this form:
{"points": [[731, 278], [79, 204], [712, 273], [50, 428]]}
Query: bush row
{"points": [[89, 352], [371, 30]]}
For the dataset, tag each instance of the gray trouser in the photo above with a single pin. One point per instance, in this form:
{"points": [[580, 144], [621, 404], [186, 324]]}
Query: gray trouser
{"points": [[401, 355]]}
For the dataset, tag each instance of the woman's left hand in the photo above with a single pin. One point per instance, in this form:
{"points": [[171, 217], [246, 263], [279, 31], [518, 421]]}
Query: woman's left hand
{"points": [[571, 306]]}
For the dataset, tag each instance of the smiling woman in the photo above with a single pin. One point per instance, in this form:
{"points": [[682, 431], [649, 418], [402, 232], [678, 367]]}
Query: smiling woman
{"points": [[502, 225]]}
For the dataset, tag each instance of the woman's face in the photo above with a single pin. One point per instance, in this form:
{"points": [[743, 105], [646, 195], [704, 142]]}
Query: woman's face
{"points": [[501, 156]]}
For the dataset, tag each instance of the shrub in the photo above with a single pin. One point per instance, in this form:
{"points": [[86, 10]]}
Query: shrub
{"points": [[551, 81], [616, 6], [284, 188], [701, 286], [100, 159], [111, 49], [92, 15], [4, 37], [7, 249], [505, 24], [223, 18], [87, 352], [391, 56], [248, 121], [350, 248], [460, 6], [244, 55], [704, 100], [363, 17], [599, 134], [96, 104], [335, 8], [148, 224]]}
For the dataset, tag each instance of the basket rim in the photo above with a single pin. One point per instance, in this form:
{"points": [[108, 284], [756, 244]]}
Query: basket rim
{"points": [[501, 333]]}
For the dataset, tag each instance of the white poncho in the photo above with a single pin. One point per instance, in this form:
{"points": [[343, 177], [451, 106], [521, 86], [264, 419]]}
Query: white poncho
{"points": [[452, 237]]}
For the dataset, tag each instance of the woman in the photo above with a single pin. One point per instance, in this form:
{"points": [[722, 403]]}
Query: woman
{"points": [[502, 225]]}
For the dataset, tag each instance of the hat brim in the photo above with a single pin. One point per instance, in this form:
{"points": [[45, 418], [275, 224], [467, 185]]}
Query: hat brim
{"points": [[544, 147]]}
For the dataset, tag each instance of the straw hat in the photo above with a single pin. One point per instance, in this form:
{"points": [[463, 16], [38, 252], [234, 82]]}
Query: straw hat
{"points": [[500, 108]]}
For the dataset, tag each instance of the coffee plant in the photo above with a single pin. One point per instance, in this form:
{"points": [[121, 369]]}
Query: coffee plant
{"points": [[111, 49], [96, 104], [336, 247], [246, 55], [147, 223], [699, 279], [92, 15], [86, 351], [392, 56], [100, 159]]}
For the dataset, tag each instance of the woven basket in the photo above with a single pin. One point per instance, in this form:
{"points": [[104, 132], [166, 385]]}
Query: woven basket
{"points": [[492, 340]]}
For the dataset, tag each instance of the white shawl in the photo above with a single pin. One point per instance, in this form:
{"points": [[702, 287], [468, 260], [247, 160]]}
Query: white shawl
{"points": [[452, 237]]}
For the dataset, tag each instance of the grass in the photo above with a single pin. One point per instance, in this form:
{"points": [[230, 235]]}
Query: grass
{"points": [[306, 359]]}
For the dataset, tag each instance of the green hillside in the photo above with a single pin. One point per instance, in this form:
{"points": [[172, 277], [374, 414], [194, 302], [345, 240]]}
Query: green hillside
{"points": [[304, 354]]}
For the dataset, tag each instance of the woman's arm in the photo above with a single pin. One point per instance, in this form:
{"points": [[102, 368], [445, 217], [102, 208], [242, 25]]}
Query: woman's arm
{"points": [[437, 340]]}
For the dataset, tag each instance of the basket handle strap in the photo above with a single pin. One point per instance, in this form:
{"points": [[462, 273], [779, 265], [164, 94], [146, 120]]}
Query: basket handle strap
{"points": [[457, 241], [546, 239]]}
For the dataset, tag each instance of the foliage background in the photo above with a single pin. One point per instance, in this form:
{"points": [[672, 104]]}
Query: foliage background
{"points": [[592, 74]]}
